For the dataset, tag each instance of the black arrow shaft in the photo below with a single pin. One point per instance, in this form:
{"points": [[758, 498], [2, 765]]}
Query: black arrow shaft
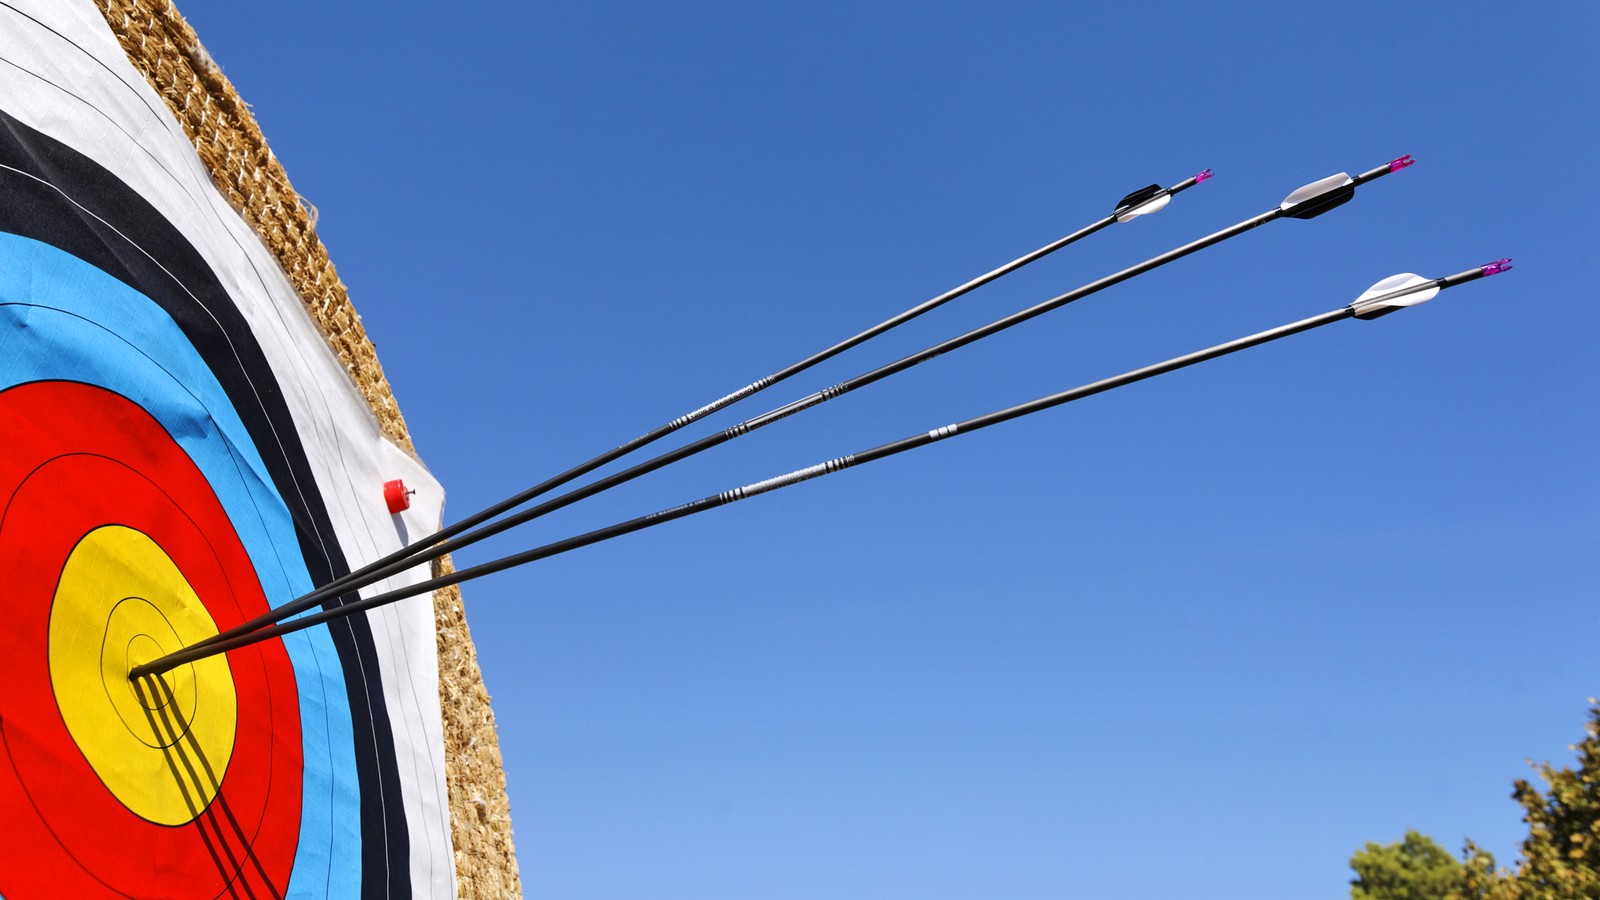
{"points": [[726, 498], [442, 541]]}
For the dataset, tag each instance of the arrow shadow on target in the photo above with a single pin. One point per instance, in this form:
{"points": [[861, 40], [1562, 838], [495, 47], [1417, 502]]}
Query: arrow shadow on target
{"points": [[197, 778]]}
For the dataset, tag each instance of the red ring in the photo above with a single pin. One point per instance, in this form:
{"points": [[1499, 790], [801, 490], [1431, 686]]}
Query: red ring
{"points": [[79, 457]]}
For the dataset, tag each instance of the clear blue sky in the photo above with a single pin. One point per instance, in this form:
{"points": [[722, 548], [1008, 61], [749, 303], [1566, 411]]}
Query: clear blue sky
{"points": [[1202, 637]]}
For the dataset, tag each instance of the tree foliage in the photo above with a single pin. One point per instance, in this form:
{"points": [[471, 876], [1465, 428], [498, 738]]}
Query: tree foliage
{"points": [[1560, 858], [1415, 868], [1561, 855]]}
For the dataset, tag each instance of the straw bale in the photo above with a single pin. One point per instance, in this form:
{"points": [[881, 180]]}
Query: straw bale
{"points": [[480, 812], [165, 49]]}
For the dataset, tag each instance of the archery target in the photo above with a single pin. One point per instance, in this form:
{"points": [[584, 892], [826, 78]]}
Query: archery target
{"points": [[180, 451]]}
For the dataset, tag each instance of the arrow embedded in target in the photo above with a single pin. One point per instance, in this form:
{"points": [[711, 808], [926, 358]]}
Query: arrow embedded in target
{"points": [[1387, 296]]}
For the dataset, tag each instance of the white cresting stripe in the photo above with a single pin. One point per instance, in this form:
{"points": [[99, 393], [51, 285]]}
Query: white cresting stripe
{"points": [[761, 487], [715, 405]]}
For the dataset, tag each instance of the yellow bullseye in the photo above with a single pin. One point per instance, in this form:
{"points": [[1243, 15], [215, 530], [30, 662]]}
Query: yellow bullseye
{"points": [[160, 745]]}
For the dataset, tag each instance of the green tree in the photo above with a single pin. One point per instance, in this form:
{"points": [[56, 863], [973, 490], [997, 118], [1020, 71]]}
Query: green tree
{"points": [[1484, 880], [1415, 868], [1560, 857]]}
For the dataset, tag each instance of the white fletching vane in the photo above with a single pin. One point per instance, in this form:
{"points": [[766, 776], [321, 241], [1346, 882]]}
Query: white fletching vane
{"points": [[1316, 189], [1154, 204], [1395, 292]]}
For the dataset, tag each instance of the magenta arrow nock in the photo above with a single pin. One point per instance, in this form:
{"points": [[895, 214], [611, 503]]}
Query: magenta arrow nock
{"points": [[1396, 165], [1496, 267], [1202, 176]]}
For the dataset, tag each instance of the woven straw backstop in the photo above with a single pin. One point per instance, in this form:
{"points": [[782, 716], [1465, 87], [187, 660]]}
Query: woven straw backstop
{"points": [[162, 46]]}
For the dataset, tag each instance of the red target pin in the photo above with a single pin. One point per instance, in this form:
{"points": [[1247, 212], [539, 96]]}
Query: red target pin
{"points": [[397, 496]]}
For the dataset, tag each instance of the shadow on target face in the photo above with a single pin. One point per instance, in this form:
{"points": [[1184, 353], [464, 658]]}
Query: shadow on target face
{"points": [[197, 777]]}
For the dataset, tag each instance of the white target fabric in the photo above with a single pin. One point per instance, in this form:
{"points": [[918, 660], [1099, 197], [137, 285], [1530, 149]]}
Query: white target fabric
{"points": [[63, 73]]}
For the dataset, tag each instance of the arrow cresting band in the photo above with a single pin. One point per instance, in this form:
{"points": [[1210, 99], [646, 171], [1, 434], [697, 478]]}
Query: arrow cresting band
{"points": [[715, 405], [798, 475]]}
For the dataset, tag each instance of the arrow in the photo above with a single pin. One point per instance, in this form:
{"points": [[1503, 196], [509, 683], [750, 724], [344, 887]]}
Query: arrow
{"points": [[1312, 196], [1144, 201], [1387, 296]]}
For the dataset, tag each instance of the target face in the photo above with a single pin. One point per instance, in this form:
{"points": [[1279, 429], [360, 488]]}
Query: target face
{"points": [[167, 470]]}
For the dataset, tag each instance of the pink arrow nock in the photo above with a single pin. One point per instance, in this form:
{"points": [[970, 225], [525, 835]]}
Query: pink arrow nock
{"points": [[1396, 165], [1202, 176], [1496, 267]]}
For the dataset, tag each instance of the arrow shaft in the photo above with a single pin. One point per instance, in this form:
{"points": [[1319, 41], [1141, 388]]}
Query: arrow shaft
{"points": [[445, 540]]}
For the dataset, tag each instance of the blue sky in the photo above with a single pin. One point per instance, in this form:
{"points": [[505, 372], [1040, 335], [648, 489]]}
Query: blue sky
{"points": [[1201, 637]]}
